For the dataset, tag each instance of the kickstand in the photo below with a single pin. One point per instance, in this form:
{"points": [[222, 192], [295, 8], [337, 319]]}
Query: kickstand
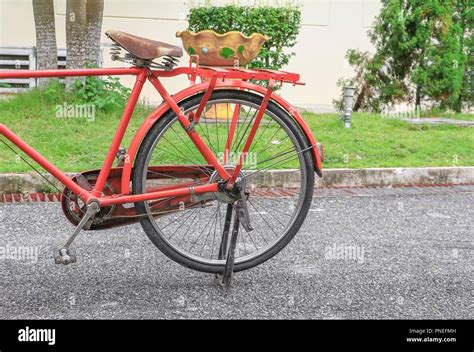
{"points": [[225, 233], [225, 239], [64, 256], [230, 259]]}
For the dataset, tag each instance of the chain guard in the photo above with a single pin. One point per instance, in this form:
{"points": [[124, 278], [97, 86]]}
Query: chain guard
{"points": [[74, 208], [125, 214]]}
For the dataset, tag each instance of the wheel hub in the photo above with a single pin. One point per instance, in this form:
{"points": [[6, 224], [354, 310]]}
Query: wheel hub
{"points": [[228, 196]]}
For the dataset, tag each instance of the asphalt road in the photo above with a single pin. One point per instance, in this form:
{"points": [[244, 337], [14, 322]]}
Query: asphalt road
{"points": [[411, 258]]}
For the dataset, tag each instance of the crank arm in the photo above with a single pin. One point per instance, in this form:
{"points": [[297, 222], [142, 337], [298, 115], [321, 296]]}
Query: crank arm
{"points": [[92, 209], [64, 256]]}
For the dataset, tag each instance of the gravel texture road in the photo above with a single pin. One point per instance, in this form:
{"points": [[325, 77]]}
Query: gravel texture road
{"points": [[381, 256]]}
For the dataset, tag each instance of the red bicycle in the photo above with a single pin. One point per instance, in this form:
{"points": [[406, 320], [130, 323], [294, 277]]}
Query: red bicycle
{"points": [[203, 174]]}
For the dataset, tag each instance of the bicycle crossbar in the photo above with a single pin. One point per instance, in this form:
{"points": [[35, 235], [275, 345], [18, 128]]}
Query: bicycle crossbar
{"points": [[121, 71]]}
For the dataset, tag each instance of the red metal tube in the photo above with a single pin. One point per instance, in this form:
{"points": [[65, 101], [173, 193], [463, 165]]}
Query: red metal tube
{"points": [[106, 201], [230, 136], [53, 170], [207, 154], [121, 71], [205, 99], [121, 129], [253, 131]]}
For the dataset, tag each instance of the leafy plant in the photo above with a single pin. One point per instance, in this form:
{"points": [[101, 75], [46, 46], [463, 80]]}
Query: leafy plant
{"points": [[375, 89], [424, 54], [54, 92], [281, 24], [106, 94]]}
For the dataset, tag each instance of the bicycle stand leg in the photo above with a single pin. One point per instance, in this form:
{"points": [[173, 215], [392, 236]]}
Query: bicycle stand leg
{"points": [[225, 233], [230, 260], [225, 238], [64, 256]]}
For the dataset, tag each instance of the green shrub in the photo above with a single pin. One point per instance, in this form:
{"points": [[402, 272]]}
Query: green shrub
{"points": [[423, 54], [281, 24], [106, 94]]}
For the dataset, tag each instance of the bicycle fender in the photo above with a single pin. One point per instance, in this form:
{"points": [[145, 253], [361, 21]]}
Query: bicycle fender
{"points": [[203, 87]]}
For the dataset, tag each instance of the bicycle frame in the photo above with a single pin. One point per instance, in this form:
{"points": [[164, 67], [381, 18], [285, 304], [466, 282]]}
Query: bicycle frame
{"points": [[234, 78]]}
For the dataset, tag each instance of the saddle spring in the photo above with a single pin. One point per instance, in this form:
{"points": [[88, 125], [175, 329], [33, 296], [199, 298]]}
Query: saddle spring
{"points": [[117, 54]]}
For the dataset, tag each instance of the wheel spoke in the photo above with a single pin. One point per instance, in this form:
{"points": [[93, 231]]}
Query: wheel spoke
{"points": [[192, 151], [245, 132], [239, 128]]}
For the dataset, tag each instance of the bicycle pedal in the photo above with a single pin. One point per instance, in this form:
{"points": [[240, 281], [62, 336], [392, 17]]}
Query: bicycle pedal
{"points": [[64, 256]]}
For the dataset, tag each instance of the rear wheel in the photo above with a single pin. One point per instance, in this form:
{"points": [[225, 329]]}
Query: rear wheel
{"points": [[278, 200]]}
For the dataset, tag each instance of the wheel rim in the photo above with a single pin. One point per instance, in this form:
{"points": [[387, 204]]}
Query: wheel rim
{"points": [[195, 233]]}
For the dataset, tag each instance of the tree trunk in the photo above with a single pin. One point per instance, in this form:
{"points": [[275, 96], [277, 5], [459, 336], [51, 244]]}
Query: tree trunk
{"points": [[94, 12], [418, 98], [46, 47], [75, 36], [463, 9]]}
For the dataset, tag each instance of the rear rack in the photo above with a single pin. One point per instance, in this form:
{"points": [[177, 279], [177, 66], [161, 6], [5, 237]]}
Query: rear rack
{"points": [[249, 74], [194, 70]]}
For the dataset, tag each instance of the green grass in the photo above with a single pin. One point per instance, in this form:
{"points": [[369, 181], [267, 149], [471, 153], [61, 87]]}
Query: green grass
{"points": [[77, 144], [377, 142], [70, 144]]}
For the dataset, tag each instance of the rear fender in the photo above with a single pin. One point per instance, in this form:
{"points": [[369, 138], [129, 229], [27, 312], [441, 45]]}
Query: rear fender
{"points": [[200, 88]]}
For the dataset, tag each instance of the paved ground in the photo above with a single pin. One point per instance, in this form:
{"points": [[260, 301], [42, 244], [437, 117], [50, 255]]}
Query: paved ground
{"points": [[411, 258], [439, 121]]}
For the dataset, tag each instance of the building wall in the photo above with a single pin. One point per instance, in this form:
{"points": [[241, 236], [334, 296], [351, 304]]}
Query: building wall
{"points": [[329, 28]]}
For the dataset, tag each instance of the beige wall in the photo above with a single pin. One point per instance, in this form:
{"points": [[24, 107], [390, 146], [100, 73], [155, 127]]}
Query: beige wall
{"points": [[329, 28]]}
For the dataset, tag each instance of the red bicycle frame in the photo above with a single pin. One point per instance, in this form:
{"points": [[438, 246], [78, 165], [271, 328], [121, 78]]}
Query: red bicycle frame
{"points": [[218, 78]]}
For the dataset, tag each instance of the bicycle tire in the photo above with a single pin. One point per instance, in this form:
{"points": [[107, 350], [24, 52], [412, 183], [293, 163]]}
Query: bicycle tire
{"points": [[139, 170]]}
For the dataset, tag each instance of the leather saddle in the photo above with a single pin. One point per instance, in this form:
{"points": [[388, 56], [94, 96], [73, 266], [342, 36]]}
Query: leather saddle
{"points": [[143, 48]]}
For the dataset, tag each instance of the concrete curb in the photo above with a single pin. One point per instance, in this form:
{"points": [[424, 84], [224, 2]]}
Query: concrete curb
{"points": [[27, 183], [383, 177], [375, 177]]}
